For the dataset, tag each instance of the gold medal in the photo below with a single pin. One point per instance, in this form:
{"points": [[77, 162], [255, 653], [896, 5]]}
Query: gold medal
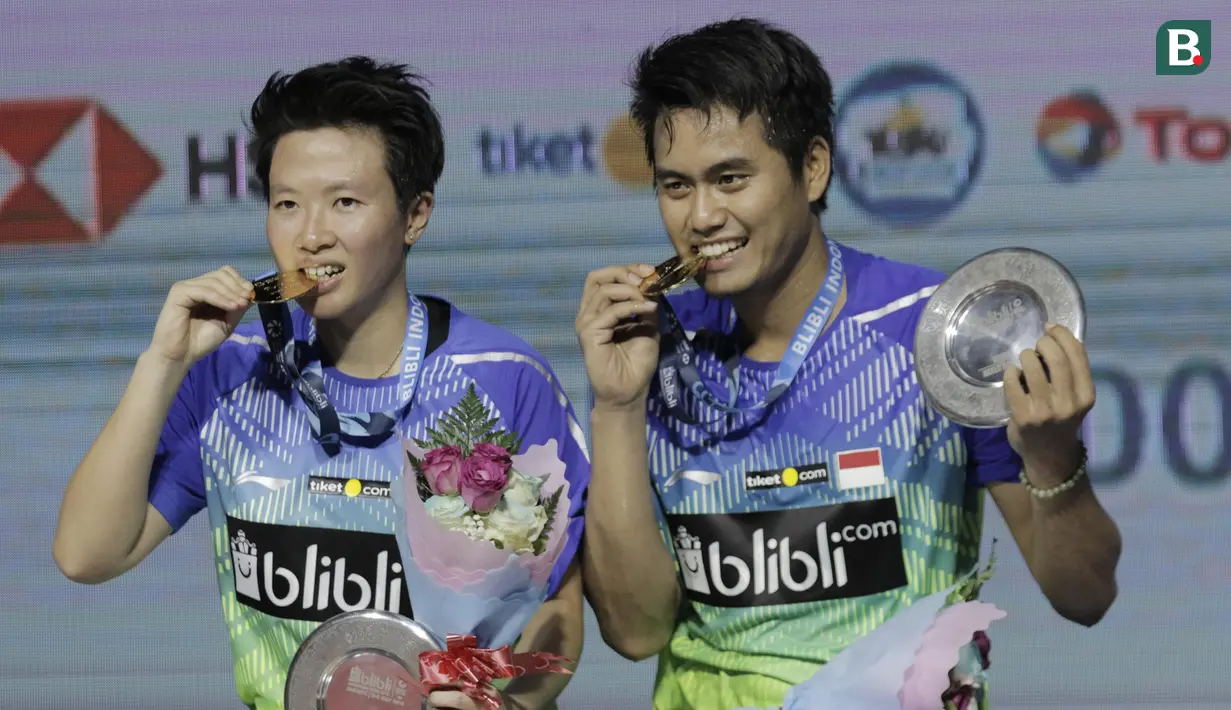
{"points": [[670, 274], [284, 286]]}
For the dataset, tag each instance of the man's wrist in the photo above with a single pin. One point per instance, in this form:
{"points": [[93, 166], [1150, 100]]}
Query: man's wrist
{"points": [[1046, 482], [1054, 463], [605, 408], [608, 407]]}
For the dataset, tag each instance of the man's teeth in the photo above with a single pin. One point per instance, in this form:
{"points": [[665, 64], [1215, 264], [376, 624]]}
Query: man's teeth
{"points": [[717, 249], [317, 273]]}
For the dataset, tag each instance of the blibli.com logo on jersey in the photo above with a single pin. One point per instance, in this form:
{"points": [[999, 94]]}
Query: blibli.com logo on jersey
{"points": [[314, 574], [790, 556]]}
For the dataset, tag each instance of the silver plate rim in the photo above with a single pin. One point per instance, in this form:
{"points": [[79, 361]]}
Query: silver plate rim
{"points": [[947, 392], [371, 630]]}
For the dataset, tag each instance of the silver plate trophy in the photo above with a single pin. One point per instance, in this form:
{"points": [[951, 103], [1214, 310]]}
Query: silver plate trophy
{"points": [[978, 322], [360, 660]]}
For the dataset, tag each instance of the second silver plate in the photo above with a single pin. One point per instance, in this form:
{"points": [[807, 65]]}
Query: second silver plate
{"points": [[979, 321]]}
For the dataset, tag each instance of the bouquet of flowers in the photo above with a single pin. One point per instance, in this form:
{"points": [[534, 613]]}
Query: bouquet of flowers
{"points": [[484, 524], [931, 655], [467, 482]]}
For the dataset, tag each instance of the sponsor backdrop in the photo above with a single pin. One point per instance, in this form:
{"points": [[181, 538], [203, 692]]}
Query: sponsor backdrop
{"points": [[963, 127]]}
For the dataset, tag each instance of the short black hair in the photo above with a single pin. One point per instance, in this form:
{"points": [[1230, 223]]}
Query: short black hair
{"points": [[356, 92], [748, 66]]}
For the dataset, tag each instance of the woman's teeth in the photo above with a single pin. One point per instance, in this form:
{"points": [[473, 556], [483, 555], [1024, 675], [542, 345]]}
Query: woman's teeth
{"points": [[316, 273], [717, 249]]}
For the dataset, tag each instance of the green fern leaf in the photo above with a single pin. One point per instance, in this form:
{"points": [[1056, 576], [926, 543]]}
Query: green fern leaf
{"points": [[507, 440], [485, 431], [549, 507], [467, 424], [472, 413], [450, 434]]}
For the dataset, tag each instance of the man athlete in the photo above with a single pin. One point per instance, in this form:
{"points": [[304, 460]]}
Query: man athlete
{"points": [[807, 490], [348, 154]]}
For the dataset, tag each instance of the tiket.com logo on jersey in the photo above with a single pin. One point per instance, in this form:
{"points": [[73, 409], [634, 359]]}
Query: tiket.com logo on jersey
{"points": [[786, 478], [790, 556], [1182, 47], [314, 574], [69, 171], [351, 488]]}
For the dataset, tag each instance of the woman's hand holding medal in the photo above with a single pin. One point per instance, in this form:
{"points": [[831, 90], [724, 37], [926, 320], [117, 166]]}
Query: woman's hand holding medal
{"points": [[199, 314]]}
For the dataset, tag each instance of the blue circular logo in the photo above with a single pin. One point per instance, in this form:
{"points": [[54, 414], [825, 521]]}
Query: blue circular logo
{"points": [[908, 143]]}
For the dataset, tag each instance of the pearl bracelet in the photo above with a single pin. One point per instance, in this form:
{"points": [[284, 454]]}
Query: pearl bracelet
{"points": [[1054, 491]]}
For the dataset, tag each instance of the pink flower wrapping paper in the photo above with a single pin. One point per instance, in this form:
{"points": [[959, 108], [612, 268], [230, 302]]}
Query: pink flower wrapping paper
{"points": [[928, 678], [482, 521], [913, 661], [455, 559]]}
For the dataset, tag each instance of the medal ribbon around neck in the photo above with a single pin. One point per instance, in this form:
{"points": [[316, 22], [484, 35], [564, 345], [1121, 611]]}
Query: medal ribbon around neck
{"points": [[678, 358], [300, 361]]}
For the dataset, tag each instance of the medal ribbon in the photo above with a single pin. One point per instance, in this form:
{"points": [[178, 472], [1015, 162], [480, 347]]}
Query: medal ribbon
{"points": [[300, 361], [678, 361]]}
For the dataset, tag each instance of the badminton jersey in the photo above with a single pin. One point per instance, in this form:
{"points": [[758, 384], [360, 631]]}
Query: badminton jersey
{"points": [[800, 529], [297, 536]]}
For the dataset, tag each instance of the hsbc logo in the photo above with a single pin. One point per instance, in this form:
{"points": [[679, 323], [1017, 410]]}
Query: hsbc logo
{"points": [[69, 171], [790, 556], [221, 168]]}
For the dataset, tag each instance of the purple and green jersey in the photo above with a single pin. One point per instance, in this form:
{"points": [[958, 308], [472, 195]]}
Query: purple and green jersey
{"points": [[799, 531], [298, 536]]}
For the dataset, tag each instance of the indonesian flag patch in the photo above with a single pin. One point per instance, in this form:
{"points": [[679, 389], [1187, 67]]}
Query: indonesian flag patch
{"points": [[860, 468]]}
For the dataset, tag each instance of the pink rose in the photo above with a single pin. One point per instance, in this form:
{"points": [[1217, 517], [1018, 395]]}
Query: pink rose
{"points": [[442, 467], [484, 475]]}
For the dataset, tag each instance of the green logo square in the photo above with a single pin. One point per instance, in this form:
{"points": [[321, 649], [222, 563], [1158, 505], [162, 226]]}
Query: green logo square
{"points": [[1182, 47]]}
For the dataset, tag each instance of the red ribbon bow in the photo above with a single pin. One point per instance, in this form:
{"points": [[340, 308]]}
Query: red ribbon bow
{"points": [[466, 667]]}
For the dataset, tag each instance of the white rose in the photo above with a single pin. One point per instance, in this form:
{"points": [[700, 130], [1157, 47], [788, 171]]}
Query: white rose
{"points": [[449, 510], [516, 526], [523, 490]]}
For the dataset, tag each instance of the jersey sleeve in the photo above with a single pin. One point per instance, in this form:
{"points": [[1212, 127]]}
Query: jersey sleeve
{"points": [[177, 478], [532, 402], [989, 456]]}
